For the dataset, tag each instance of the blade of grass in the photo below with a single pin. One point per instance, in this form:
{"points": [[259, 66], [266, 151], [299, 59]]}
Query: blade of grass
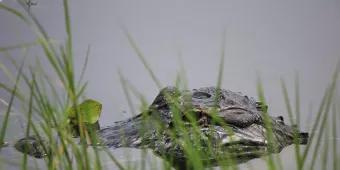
{"points": [[14, 11], [43, 39], [221, 65], [68, 31], [269, 133], [10, 90], [48, 79], [82, 90], [183, 73], [82, 73], [18, 46], [334, 141], [320, 133], [29, 121], [315, 125], [11, 77], [63, 67], [286, 99], [229, 159], [137, 94], [7, 73], [290, 114], [113, 159], [5, 121], [297, 99], [142, 58], [124, 85], [328, 96], [323, 124], [39, 29], [325, 150]]}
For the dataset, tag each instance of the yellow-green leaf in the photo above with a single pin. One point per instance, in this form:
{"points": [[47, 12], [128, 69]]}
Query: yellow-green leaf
{"points": [[90, 111]]}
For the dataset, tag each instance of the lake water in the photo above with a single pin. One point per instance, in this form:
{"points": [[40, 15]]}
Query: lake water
{"points": [[11, 159], [263, 38]]}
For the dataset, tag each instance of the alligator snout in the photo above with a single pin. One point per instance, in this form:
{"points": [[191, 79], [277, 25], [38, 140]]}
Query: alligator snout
{"points": [[303, 138]]}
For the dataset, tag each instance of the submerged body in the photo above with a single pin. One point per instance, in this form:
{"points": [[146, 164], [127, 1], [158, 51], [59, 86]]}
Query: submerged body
{"points": [[216, 122]]}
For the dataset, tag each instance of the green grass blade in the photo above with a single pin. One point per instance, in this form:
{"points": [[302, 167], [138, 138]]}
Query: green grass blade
{"points": [[286, 99], [142, 58], [5, 121], [269, 133], [113, 159], [182, 73], [126, 93], [7, 73], [14, 11], [10, 90], [324, 107], [325, 149], [221, 65], [291, 119], [82, 73], [68, 32], [18, 46], [321, 130], [297, 100], [334, 137], [29, 122], [137, 94]]}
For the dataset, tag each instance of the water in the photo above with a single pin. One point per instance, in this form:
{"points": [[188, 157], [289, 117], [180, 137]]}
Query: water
{"points": [[9, 157], [271, 39], [128, 157]]}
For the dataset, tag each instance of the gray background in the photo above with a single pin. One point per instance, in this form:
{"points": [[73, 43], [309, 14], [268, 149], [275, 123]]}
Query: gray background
{"points": [[272, 39]]}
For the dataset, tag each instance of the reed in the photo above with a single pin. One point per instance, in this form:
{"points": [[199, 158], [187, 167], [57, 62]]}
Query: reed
{"points": [[47, 107]]}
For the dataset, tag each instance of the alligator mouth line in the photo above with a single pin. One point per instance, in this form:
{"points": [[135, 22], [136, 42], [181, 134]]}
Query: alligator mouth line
{"points": [[234, 108], [220, 110], [243, 142]]}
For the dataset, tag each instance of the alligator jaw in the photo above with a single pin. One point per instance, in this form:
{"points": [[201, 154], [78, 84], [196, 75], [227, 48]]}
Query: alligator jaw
{"points": [[122, 134], [239, 143]]}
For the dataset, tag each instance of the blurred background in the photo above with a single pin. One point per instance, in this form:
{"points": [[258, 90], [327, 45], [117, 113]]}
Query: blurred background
{"points": [[263, 38]]}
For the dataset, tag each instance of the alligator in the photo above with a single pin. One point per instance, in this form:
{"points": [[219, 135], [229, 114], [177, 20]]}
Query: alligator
{"points": [[219, 125]]}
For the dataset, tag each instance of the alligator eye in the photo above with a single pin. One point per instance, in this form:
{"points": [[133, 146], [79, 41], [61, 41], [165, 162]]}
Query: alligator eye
{"points": [[280, 118], [201, 95]]}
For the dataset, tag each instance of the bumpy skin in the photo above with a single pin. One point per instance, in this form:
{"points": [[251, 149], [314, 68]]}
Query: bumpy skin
{"points": [[32, 146], [230, 123]]}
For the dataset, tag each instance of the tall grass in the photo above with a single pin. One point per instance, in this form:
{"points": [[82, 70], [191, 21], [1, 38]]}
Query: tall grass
{"points": [[50, 111], [47, 114], [8, 111]]}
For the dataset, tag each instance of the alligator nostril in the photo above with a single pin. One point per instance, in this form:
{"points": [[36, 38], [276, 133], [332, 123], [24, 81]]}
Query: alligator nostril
{"points": [[303, 136], [201, 95]]}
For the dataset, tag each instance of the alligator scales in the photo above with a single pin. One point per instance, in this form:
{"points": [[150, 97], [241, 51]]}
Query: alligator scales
{"points": [[218, 122]]}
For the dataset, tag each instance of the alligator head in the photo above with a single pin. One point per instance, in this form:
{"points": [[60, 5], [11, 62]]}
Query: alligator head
{"points": [[217, 122]]}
